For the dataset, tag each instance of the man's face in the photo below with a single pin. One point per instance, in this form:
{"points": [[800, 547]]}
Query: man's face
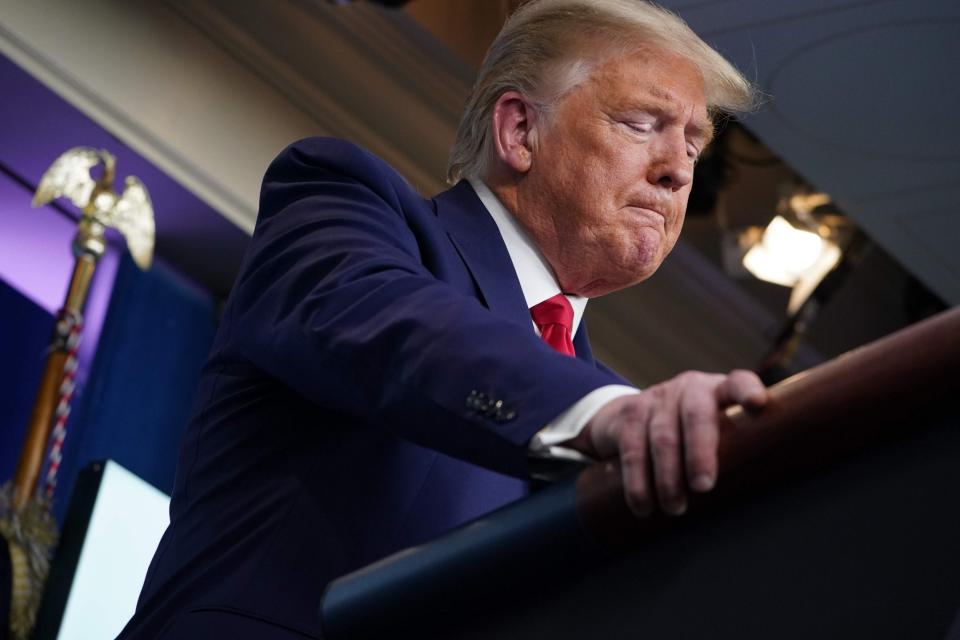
{"points": [[607, 189]]}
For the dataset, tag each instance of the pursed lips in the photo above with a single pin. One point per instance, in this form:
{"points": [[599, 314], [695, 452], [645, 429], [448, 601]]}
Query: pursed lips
{"points": [[650, 211]]}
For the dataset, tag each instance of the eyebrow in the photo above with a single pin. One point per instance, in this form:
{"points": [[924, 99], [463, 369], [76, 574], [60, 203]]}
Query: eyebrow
{"points": [[700, 127]]}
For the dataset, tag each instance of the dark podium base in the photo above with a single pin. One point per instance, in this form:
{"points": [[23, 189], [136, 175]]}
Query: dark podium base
{"points": [[866, 548]]}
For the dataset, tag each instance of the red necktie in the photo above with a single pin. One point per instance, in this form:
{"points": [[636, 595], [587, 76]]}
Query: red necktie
{"points": [[554, 318]]}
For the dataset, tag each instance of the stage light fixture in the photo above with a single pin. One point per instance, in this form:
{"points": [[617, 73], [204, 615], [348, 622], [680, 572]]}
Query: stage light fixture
{"points": [[799, 247]]}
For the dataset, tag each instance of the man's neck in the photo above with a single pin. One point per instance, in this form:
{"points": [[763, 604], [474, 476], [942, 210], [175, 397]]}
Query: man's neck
{"points": [[537, 280]]}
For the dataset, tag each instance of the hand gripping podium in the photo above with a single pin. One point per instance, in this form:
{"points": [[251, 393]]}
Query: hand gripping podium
{"points": [[837, 515]]}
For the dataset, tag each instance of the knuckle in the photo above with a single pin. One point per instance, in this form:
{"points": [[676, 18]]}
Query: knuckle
{"points": [[631, 439], [745, 374], [712, 381], [697, 380], [631, 412], [664, 441], [633, 458], [657, 393], [695, 416]]}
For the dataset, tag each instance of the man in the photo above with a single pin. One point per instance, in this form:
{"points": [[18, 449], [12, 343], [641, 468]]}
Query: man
{"points": [[378, 378]]}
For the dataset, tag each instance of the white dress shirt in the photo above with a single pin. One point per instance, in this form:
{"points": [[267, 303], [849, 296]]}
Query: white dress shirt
{"points": [[538, 284]]}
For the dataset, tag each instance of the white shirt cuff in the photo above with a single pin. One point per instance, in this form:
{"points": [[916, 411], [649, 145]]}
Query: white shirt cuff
{"points": [[571, 422]]}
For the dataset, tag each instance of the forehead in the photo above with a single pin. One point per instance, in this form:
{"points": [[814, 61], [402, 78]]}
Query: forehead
{"points": [[652, 79]]}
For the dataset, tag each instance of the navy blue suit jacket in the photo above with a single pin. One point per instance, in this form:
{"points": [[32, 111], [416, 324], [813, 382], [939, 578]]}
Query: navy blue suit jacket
{"points": [[374, 383]]}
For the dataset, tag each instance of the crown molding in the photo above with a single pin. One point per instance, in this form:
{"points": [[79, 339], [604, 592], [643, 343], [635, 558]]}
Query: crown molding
{"points": [[361, 72]]}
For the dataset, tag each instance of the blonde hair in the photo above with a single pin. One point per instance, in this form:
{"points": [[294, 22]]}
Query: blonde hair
{"points": [[548, 47]]}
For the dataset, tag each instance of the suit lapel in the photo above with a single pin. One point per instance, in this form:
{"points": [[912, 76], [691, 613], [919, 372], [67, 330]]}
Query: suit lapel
{"points": [[581, 344], [477, 239]]}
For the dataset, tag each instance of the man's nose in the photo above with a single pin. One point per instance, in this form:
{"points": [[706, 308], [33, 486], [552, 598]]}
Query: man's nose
{"points": [[670, 165]]}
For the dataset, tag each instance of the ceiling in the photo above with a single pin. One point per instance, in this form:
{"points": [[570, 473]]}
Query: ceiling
{"points": [[860, 104]]}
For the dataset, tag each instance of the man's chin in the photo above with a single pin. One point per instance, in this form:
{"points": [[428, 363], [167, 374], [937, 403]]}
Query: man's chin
{"points": [[603, 286], [640, 274]]}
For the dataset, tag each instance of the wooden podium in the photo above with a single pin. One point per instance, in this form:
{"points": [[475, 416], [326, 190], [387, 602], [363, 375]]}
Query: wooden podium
{"points": [[837, 515]]}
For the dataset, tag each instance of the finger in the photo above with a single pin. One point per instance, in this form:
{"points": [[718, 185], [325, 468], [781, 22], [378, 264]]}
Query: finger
{"points": [[633, 465], [742, 387], [701, 434], [665, 450]]}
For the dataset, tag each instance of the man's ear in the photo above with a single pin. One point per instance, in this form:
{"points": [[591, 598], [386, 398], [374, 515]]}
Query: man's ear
{"points": [[514, 118]]}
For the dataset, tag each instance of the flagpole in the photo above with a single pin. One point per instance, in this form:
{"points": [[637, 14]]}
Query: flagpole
{"points": [[26, 522]]}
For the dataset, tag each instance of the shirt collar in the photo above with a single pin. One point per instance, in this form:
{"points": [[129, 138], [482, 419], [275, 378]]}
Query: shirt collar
{"points": [[536, 279]]}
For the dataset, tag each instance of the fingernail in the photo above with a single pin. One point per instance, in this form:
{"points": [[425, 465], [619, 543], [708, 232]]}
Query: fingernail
{"points": [[678, 508], [703, 482]]}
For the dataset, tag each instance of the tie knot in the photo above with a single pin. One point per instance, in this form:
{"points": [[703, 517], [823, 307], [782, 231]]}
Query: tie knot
{"points": [[555, 310]]}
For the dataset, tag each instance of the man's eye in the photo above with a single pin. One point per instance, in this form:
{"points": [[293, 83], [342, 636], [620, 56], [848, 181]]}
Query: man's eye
{"points": [[640, 127], [693, 153]]}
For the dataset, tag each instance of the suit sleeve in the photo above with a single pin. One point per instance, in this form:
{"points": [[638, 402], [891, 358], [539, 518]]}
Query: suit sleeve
{"points": [[334, 301]]}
